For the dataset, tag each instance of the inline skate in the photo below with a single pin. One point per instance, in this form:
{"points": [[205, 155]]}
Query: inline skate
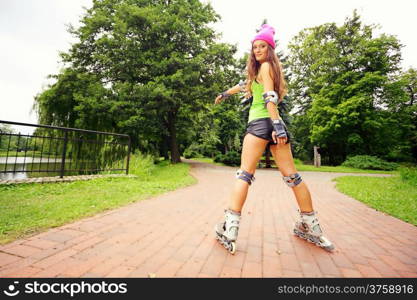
{"points": [[227, 231], [308, 228]]}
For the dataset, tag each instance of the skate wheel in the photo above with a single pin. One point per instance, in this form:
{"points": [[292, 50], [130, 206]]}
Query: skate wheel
{"points": [[232, 248], [329, 248]]}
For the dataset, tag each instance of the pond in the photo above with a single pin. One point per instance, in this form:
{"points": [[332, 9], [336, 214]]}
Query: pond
{"points": [[35, 166]]}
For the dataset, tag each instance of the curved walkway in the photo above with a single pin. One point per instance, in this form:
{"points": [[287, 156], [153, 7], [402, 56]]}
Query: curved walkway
{"points": [[171, 235]]}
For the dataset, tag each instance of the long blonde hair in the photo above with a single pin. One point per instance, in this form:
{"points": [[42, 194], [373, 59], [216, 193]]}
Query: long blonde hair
{"points": [[252, 68]]}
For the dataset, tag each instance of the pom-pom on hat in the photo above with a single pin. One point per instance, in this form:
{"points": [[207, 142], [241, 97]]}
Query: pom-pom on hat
{"points": [[266, 34]]}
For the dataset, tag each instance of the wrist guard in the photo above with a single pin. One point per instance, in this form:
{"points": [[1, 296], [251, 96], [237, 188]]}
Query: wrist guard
{"points": [[224, 95], [280, 129]]}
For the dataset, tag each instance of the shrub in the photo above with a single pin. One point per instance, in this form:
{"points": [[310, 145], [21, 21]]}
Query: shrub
{"points": [[141, 164], [190, 153], [194, 150], [231, 158], [409, 175], [298, 161], [218, 157], [369, 162]]}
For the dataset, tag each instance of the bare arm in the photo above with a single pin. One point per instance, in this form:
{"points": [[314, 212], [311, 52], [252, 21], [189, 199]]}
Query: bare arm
{"points": [[280, 134], [233, 90]]}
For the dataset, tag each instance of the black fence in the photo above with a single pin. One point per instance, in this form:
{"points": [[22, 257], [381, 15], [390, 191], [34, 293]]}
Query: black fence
{"points": [[60, 151]]}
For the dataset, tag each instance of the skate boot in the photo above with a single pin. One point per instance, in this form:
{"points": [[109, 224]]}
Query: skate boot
{"points": [[226, 232], [308, 228]]}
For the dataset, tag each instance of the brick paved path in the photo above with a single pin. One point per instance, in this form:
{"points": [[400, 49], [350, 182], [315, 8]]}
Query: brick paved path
{"points": [[172, 236]]}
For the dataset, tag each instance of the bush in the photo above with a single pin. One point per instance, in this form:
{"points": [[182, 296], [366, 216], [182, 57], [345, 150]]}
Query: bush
{"points": [[298, 161], [190, 153], [195, 150], [409, 175], [231, 158], [141, 164], [369, 162]]}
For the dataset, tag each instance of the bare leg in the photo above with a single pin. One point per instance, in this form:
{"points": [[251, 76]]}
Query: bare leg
{"points": [[253, 148], [227, 231], [284, 159]]}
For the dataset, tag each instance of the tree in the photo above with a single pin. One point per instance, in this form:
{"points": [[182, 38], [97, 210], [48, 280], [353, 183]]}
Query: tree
{"points": [[4, 139], [339, 76], [402, 92], [146, 66]]}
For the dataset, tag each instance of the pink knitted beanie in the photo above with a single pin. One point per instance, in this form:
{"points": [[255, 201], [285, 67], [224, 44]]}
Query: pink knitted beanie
{"points": [[266, 34]]}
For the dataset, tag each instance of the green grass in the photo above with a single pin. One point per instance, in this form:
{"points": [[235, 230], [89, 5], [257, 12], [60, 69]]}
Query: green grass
{"points": [[208, 160], [303, 167], [391, 195], [31, 208]]}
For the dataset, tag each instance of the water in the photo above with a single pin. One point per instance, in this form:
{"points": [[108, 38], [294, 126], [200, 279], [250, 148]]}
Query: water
{"points": [[24, 164]]}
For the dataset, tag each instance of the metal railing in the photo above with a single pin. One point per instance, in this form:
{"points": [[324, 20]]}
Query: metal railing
{"points": [[61, 151]]}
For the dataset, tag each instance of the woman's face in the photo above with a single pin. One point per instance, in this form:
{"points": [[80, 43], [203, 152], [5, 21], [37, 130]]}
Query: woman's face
{"points": [[260, 50]]}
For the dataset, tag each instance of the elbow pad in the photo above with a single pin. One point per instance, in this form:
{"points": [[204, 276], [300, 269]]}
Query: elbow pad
{"points": [[270, 96]]}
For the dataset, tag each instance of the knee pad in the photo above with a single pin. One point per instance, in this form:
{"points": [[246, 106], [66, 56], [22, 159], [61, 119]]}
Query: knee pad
{"points": [[292, 180], [245, 176]]}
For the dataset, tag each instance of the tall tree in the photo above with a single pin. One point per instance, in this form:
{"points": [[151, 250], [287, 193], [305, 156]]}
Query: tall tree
{"points": [[156, 62], [402, 93], [338, 79]]}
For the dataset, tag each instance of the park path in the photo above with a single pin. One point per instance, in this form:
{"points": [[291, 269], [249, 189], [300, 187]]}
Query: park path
{"points": [[171, 235]]}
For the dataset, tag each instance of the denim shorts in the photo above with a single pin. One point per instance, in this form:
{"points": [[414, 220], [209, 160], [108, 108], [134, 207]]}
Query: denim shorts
{"points": [[262, 128]]}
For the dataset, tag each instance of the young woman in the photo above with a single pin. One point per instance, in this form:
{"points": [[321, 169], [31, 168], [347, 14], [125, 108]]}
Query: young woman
{"points": [[265, 82]]}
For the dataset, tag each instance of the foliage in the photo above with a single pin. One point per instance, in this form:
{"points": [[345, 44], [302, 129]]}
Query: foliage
{"points": [[6, 128], [231, 158], [144, 68], [194, 150], [142, 165], [152, 68], [402, 106], [409, 174], [10, 140], [218, 129], [345, 83], [369, 162]]}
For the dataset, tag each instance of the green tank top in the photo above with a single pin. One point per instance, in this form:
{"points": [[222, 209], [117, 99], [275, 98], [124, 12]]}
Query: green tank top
{"points": [[257, 109]]}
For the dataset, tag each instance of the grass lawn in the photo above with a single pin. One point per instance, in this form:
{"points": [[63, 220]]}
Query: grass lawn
{"points": [[31, 208], [391, 195], [337, 169], [27, 154], [207, 160]]}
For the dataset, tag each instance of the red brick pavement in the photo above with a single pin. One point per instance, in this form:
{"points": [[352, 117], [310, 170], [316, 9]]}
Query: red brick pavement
{"points": [[172, 236]]}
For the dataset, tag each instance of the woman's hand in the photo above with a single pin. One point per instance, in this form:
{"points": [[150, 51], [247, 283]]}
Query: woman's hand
{"points": [[278, 140], [218, 99], [280, 133]]}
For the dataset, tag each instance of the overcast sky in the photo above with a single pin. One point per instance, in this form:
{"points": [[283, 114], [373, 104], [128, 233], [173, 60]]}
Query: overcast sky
{"points": [[33, 32]]}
